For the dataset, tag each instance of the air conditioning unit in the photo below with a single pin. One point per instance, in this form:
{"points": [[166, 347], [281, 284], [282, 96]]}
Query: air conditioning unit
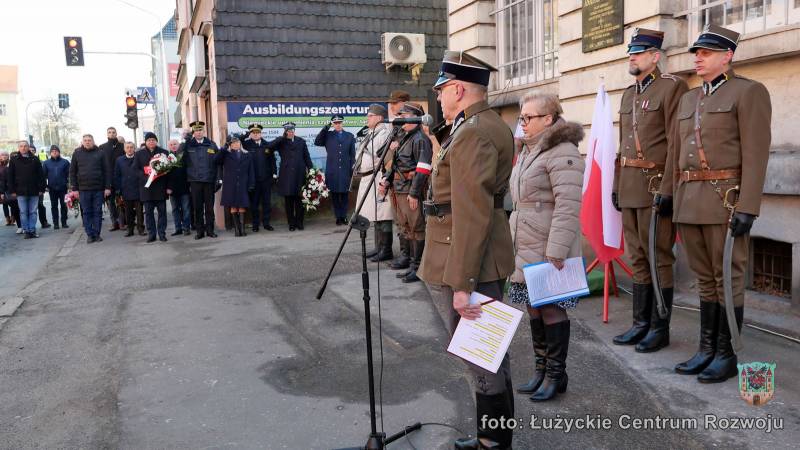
{"points": [[405, 49]]}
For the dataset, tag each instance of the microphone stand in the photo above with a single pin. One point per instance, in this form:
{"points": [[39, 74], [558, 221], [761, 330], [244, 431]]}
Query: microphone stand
{"points": [[377, 440]]}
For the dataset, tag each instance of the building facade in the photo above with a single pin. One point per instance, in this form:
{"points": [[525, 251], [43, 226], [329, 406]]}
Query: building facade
{"points": [[539, 44], [164, 123], [9, 109]]}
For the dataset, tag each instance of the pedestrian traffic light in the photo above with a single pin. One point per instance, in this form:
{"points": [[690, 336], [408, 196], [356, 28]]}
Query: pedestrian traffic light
{"points": [[73, 48], [63, 101], [132, 114]]}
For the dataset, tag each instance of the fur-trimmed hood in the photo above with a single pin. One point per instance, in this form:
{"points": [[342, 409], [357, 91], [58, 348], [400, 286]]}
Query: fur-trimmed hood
{"points": [[559, 133]]}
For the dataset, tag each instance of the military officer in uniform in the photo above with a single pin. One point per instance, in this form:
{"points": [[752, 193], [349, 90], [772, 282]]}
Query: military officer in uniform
{"points": [[722, 140], [646, 119], [266, 170], [407, 179], [403, 261], [202, 173], [340, 147], [467, 237]]}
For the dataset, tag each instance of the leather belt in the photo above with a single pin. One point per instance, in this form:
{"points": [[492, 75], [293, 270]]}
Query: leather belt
{"points": [[366, 174], [404, 175], [640, 163], [443, 209], [710, 175]]}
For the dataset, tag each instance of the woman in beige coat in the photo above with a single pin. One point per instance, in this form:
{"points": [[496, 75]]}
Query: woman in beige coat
{"points": [[546, 192]]}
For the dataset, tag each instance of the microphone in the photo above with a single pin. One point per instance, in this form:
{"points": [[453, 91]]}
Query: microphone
{"points": [[426, 120]]}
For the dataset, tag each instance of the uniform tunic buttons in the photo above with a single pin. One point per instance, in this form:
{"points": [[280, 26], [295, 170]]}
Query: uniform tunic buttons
{"points": [[692, 142], [691, 155], [448, 238]]}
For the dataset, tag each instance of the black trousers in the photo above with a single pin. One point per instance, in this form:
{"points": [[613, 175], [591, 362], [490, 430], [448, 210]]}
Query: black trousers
{"points": [[261, 197], [56, 200], [42, 211], [134, 215], [340, 203], [14, 206], [294, 211], [149, 215], [203, 201]]}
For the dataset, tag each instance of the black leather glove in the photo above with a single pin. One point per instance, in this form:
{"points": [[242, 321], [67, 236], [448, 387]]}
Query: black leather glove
{"points": [[663, 204], [741, 223], [615, 201]]}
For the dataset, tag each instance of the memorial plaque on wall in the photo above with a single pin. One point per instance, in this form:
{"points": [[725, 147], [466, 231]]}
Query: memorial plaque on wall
{"points": [[603, 24]]}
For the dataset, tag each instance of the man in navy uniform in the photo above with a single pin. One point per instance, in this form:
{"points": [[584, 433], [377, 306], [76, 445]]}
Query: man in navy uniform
{"points": [[266, 172], [201, 171], [340, 146], [295, 162]]}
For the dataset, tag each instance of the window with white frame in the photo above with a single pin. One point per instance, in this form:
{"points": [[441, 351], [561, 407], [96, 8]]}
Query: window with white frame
{"points": [[2, 109], [527, 46], [742, 16]]}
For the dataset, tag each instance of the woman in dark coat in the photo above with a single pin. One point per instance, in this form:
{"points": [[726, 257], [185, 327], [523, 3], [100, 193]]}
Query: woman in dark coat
{"points": [[126, 185], [238, 180], [340, 146], [295, 163]]}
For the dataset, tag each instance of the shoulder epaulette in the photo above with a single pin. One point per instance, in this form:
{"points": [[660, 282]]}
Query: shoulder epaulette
{"points": [[669, 76]]}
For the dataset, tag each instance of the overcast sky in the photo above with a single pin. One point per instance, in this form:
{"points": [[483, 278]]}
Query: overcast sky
{"points": [[32, 34]]}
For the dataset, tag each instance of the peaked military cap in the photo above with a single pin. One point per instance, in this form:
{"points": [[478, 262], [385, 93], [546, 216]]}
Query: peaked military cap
{"points": [[399, 96], [377, 109], [254, 127], [643, 40], [197, 125], [337, 118], [464, 67], [716, 38], [289, 126], [412, 108]]}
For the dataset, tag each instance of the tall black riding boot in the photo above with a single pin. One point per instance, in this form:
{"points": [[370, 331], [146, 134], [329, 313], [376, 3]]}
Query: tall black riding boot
{"points": [[403, 261], [709, 320], [417, 247], [555, 379], [658, 336], [377, 248], [385, 251], [642, 304], [490, 407], [723, 366], [242, 231], [539, 357], [235, 218]]}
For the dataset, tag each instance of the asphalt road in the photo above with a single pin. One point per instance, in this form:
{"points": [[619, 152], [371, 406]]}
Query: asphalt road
{"points": [[221, 344]]}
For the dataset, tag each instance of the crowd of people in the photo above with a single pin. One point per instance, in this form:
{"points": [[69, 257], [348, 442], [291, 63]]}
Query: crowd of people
{"points": [[681, 156]]}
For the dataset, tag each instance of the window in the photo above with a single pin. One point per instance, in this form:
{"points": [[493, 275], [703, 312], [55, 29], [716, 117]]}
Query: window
{"points": [[2, 109], [3, 130], [742, 16], [772, 267], [526, 41]]}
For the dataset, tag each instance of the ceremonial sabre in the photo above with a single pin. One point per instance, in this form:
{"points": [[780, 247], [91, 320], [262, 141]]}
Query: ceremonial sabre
{"points": [[651, 256], [727, 281]]}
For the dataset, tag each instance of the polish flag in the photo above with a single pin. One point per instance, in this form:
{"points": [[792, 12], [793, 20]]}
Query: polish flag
{"points": [[601, 223]]}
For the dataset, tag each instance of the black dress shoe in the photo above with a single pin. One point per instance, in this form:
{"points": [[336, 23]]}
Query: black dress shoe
{"points": [[177, 233], [151, 239], [89, 240], [186, 232], [45, 225], [55, 226], [64, 225], [199, 236], [27, 236], [291, 228], [269, 228], [98, 239], [129, 233], [211, 234], [162, 238]]}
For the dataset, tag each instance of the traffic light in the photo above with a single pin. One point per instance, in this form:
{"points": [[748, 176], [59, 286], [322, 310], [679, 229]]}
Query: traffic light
{"points": [[63, 101], [132, 114], [73, 48]]}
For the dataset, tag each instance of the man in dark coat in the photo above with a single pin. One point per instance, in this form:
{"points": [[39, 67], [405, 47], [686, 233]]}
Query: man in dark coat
{"points": [[295, 162], [153, 197], [179, 199], [266, 171], [89, 175], [238, 181], [126, 185], [202, 174], [10, 208], [111, 151], [25, 183], [340, 146], [56, 172], [41, 209]]}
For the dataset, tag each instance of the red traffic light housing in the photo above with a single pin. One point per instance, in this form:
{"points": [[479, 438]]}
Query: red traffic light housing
{"points": [[131, 113], [73, 50]]}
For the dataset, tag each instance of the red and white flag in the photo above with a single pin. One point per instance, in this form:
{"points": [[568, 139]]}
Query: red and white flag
{"points": [[601, 223]]}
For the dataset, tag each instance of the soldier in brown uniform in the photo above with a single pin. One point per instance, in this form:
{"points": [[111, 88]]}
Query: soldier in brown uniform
{"points": [[467, 238], [722, 143], [646, 117]]}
